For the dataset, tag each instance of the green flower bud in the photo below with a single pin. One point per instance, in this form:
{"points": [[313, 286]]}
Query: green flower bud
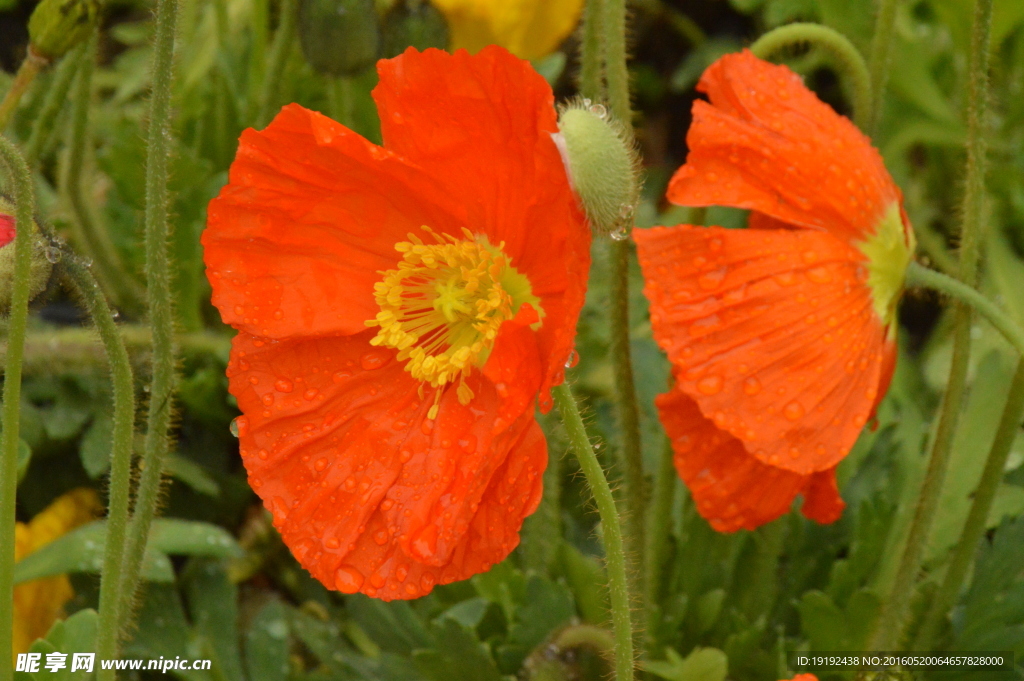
{"points": [[602, 164], [42, 254], [339, 37], [413, 23], [56, 26]]}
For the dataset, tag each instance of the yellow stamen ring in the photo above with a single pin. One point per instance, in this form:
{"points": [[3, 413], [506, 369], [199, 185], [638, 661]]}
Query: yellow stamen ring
{"points": [[443, 305]]}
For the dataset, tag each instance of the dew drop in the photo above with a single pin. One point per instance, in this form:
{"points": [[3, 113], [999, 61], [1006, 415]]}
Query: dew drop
{"points": [[793, 411], [619, 234], [381, 538], [401, 573], [712, 280], [311, 394], [572, 360], [332, 543], [599, 110], [263, 454], [52, 254], [234, 427], [348, 580], [373, 360], [320, 464], [751, 386], [284, 385], [709, 385]]}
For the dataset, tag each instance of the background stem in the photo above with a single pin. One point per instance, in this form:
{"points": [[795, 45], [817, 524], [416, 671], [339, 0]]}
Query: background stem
{"points": [[161, 314], [24, 200], [610, 527], [848, 60], [659, 528], [56, 95], [27, 72], [280, 49], [881, 47], [891, 621]]}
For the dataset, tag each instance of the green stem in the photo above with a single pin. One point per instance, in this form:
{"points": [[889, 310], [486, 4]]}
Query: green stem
{"points": [[917, 275], [848, 60], [161, 314], [342, 100], [24, 200], [679, 22], [634, 493], [92, 240], [881, 47], [890, 624], [27, 72], [974, 526], [611, 529], [659, 527], [592, 52], [280, 50], [56, 95], [120, 459]]}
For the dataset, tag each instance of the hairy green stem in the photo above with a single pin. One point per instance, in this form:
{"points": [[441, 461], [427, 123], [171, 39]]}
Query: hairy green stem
{"points": [[611, 529], [24, 201], [27, 72], [92, 240], [659, 527], [120, 457], [918, 275], [847, 60], [280, 49], [881, 47], [892, 619], [56, 95], [161, 313], [634, 492], [974, 526], [592, 52]]}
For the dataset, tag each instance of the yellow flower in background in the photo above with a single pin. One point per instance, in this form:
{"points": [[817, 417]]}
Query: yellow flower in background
{"points": [[528, 28], [38, 604]]}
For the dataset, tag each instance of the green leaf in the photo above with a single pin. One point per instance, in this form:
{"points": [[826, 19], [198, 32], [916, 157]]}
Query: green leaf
{"points": [[587, 581], [192, 474], [458, 656], [394, 626], [702, 664], [190, 538], [468, 613], [95, 447], [992, 614], [213, 604], [266, 644], [24, 459], [76, 634], [709, 607], [830, 628], [548, 606]]}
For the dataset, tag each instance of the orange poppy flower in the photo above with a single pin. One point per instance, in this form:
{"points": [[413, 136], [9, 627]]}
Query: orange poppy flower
{"points": [[780, 335], [6, 229], [804, 677], [400, 309]]}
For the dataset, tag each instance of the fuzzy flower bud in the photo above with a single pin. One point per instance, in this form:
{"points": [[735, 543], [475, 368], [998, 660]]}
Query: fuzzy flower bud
{"points": [[602, 165], [56, 26], [339, 37], [39, 274], [413, 24]]}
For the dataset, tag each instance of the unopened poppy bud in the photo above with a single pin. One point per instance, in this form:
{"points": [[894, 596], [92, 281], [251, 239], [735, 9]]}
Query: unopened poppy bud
{"points": [[56, 26], [339, 37], [413, 23], [39, 274], [602, 165]]}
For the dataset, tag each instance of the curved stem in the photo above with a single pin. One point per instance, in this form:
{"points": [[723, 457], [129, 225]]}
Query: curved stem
{"points": [[56, 95], [917, 275], [659, 527], [27, 72], [974, 526], [120, 459], [24, 208], [161, 314], [848, 60], [90, 237], [280, 50], [891, 620], [881, 46], [611, 529]]}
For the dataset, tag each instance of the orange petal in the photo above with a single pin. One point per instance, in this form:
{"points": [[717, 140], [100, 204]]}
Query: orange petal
{"points": [[733, 490], [311, 212], [772, 332], [366, 491], [767, 143], [482, 125]]}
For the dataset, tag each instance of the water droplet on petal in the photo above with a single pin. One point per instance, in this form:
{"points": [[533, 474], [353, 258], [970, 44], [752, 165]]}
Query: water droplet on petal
{"points": [[619, 234], [234, 427], [751, 386], [572, 360], [284, 385], [709, 385], [373, 360], [793, 411], [348, 580]]}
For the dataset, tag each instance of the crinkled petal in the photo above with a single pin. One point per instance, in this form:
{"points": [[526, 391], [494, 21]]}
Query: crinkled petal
{"points": [[772, 333], [482, 126], [311, 213], [767, 143], [368, 493], [732, 489]]}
